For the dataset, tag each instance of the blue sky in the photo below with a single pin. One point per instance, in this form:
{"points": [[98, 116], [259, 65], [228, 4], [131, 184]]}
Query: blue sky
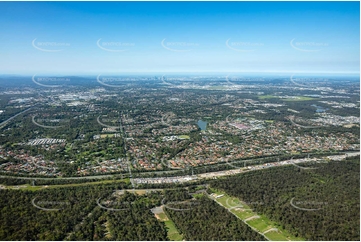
{"points": [[164, 37]]}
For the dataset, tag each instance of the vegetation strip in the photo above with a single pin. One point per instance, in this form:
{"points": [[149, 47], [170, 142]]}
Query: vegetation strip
{"points": [[172, 232], [259, 223]]}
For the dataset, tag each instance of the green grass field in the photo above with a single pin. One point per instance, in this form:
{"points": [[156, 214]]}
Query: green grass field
{"points": [[184, 136], [278, 236], [299, 98], [275, 236], [266, 96], [243, 214], [106, 135], [261, 224], [162, 216], [223, 200], [217, 88], [173, 233]]}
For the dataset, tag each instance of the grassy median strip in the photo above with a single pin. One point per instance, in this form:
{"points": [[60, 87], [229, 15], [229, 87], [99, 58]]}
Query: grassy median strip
{"points": [[261, 223], [172, 232]]}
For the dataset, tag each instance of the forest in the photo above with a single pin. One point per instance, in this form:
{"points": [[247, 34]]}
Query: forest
{"points": [[206, 220], [72, 213], [315, 201], [321, 202]]}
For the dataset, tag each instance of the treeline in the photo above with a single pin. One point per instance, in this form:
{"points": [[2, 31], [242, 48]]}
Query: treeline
{"points": [[316, 204], [21, 220], [206, 220], [137, 223], [39, 182], [175, 195], [75, 214]]}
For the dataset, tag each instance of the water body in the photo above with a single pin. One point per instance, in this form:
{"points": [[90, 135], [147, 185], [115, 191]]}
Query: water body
{"points": [[319, 109], [202, 124]]}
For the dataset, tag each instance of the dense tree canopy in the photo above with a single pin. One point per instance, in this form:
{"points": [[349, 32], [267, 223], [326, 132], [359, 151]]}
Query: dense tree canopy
{"points": [[326, 199], [203, 219]]}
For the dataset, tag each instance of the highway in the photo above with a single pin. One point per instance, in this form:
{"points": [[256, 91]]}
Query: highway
{"points": [[2, 124], [199, 176]]}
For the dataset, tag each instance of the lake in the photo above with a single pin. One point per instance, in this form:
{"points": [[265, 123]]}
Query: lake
{"points": [[319, 109], [202, 124]]}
